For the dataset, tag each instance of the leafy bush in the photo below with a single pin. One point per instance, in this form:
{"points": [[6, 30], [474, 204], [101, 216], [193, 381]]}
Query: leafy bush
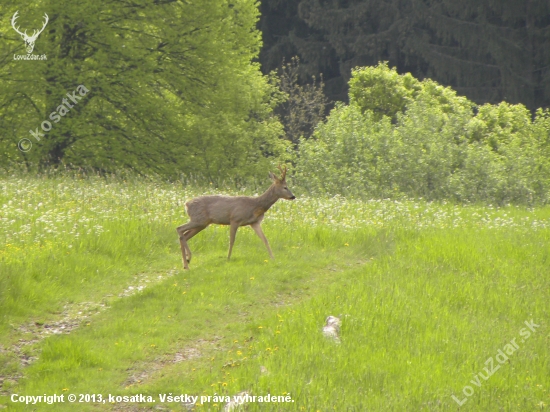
{"points": [[401, 137], [381, 90]]}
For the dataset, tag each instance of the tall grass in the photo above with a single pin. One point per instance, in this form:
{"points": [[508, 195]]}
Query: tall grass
{"points": [[426, 292]]}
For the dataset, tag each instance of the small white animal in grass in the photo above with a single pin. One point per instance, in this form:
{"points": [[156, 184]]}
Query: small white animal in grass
{"points": [[332, 328], [237, 400]]}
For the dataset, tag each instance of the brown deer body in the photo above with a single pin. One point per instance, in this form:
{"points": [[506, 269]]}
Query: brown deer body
{"points": [[234, 211]]}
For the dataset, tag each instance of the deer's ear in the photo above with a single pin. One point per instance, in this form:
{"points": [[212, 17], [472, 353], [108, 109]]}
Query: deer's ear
{"points": [[273, 177]]}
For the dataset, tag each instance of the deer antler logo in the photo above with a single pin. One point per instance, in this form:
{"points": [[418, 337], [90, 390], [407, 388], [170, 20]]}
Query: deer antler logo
{"points": [[29, 40]]}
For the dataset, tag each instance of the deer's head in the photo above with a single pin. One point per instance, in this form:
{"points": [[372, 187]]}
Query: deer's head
{"points": [[279, 185], [29, 40]]}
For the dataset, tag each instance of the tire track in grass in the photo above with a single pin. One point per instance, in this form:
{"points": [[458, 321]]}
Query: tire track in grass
{"points": [[74, 315], [146, 372], [319, 270]]}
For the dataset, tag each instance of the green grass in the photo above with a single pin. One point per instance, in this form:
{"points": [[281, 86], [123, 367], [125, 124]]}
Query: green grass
{"points": [[427, 293]]}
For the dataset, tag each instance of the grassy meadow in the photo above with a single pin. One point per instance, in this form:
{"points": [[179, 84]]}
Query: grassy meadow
{"points": [[94, 300]]}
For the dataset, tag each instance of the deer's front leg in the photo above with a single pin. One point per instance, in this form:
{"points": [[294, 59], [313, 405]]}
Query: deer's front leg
{"points": [[232, 233], [258, 229]]}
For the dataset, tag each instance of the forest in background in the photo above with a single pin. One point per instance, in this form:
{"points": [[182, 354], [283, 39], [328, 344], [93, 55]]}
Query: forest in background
{"points": [[487, 50], [220, 91]]}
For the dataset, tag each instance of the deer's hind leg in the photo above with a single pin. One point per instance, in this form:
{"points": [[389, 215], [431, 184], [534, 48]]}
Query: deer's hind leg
{"points": [[183, 232], [188, 235]]}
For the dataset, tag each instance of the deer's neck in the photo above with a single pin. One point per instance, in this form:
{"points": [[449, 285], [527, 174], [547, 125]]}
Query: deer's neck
{"points": [[267, 200]]}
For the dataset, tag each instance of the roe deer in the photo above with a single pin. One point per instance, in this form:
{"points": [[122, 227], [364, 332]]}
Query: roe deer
{"points": [[231, 210]]}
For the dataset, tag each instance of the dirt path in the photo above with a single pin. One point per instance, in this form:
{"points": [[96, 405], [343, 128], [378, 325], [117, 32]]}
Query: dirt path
{"points": [[26, 350]]}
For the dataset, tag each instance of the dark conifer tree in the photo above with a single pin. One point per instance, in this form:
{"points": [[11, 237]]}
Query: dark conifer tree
{"points": [[488, 50]]}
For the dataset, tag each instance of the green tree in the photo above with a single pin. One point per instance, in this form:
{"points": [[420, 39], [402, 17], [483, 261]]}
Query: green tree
{"points": [[171, 87], [382, 90]]}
